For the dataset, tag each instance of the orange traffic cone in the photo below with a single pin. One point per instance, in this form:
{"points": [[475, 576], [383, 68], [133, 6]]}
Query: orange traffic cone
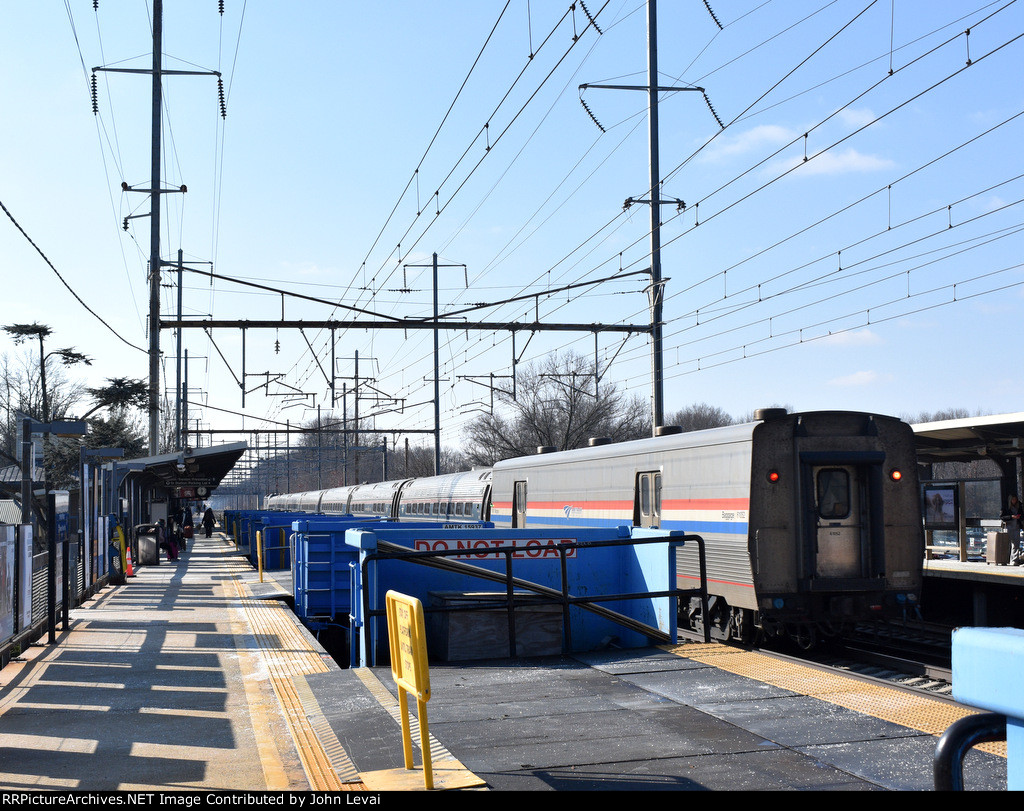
{"points": [[130, 572]]}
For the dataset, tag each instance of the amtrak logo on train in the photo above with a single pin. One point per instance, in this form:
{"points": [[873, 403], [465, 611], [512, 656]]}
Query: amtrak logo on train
{"points": [[571, 511]]}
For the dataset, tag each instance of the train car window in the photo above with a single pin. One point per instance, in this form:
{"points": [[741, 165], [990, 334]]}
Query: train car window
{"points": [[647, 500], [833, 493], [458, 508], [519, 505]]}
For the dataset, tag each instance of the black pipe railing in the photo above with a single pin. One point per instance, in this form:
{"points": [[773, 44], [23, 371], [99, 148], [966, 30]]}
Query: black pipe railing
{"points": [[561, 596], [957, 741]]}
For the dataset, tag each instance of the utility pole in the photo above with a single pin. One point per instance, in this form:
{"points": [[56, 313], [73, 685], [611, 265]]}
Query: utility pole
{"points": [[657, 283], [154, 234], [657, 286], [178, 437], [437, 366], [157, 72]]}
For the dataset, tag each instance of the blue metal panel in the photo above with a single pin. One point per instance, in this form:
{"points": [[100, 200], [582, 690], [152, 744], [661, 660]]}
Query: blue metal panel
{"points": [[988, 673]]}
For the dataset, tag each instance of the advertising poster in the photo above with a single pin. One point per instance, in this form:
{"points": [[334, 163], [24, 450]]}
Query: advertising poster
{"points": [[7, 537], [25, 578]]}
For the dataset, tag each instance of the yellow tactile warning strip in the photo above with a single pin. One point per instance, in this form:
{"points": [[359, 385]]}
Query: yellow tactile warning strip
{"points": [[288, 654], [343, 766], [448, 773], [907, 709]]}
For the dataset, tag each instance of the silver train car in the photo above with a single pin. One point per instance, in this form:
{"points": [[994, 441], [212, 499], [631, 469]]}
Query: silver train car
{"points": [[811, 521], [448, 498]]}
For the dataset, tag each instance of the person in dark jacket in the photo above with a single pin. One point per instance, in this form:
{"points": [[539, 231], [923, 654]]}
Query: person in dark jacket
{"points": [[186, 527], [165, 540], [1012, 517], [208, 521]]}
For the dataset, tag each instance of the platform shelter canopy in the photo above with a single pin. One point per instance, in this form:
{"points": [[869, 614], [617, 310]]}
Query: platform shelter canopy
{"points": [[998, 437], [196, 469]]}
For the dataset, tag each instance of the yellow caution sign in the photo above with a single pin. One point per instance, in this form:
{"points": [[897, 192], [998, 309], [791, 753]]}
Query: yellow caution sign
{"points": [[408, 642], [122, 547]]}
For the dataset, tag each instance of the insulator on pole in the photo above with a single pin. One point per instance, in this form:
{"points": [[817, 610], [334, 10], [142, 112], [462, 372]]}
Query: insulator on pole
{"points": [[712, 109], [590, 17], [592, 116], [95, 103], [220, 96], [707, 5]]}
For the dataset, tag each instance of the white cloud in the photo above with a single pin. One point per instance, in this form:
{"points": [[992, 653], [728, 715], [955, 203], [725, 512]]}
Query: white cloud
{"points": [[840, 163], [767, 135], [858, 380], [860, 337], [856, 118]]}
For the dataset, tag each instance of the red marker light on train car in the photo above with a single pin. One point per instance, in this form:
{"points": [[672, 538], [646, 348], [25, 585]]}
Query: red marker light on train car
{"points": [[773, 476], [895, 475]]}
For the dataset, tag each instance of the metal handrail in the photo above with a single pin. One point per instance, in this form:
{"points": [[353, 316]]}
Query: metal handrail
{"points": [[389, 551], [957, 741]]}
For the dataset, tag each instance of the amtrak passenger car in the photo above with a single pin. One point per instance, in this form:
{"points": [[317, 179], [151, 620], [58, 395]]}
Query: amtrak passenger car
{"points": [[811, 521], [448, 498]]}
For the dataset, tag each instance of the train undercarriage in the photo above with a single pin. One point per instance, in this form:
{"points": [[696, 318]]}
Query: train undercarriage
{"points": [[746, 626]]}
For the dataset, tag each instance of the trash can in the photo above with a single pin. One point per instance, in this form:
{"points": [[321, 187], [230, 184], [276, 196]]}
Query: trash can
{"points": [[146, 543]]}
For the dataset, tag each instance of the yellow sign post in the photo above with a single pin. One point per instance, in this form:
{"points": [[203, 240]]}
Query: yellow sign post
{"points": [[408, 642], [259, 554]]}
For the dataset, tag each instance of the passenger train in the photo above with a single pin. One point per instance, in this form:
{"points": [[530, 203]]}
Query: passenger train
{"points": [[811, 521]]}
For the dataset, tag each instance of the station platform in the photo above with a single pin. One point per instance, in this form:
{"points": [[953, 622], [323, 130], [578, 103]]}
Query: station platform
{"points": [[194, 676]]}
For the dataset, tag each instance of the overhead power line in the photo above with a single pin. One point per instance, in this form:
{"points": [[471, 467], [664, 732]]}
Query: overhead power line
{"points": [[63, 281]]}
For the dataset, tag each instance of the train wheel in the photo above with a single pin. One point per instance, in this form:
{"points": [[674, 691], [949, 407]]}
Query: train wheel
{"points": [[804, 636]]}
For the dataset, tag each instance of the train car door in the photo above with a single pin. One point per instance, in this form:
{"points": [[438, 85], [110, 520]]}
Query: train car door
{"points": [[840, 521], [519, 504], [647, 500]]}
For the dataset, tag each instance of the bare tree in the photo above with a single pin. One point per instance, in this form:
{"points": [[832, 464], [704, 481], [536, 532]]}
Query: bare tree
{"points": [[941, 415], [558, 403], [21, 391], [699, 416]]}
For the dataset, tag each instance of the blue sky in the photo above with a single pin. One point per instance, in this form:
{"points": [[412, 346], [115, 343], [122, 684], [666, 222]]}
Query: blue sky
{"points": [[851, 237]]}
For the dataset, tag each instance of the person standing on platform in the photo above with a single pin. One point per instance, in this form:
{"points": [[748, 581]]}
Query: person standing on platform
{"points": [[165, 540], [208, 521], [1012, 519], [186, 524]]}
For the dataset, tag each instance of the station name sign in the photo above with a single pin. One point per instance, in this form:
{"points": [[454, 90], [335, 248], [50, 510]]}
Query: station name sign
{"points": [[487, 548], [190, 481]]}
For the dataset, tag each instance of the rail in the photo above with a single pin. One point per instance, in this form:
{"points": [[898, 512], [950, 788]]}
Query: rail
{"points": [[957, 741], [561, 596]]}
